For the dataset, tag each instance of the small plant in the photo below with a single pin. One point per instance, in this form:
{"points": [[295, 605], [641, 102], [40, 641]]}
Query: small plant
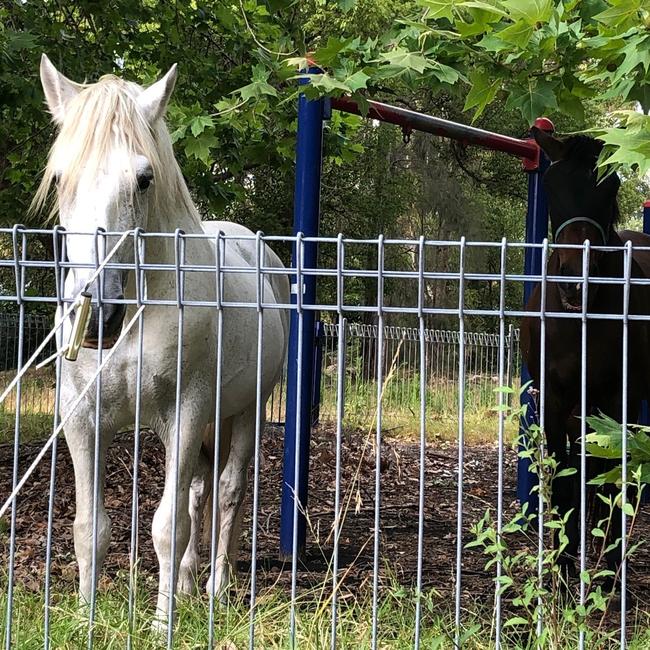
{"points": [[540, 602]]}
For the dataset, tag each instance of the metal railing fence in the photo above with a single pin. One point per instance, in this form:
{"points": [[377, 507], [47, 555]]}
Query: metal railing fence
{"points": [[401, 355], [390, 519], [401, 396], [37, 394]]}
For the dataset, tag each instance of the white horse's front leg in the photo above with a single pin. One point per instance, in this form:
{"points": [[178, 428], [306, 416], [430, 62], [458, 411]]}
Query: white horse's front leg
{"points": [[190, 442], [200, 489], [80, 437], [232, 490]]}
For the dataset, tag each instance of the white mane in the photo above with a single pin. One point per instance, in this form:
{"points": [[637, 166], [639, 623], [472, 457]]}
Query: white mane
{"points": [[105, 117]]}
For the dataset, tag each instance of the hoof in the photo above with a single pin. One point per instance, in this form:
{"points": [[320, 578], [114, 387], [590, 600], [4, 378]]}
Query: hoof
{"points": [[568, 571], [220, 594], [159, 628], [186, 585]]}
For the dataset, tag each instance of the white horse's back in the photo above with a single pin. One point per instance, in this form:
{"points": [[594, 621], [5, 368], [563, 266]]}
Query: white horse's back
{"points": [[246, 248]]}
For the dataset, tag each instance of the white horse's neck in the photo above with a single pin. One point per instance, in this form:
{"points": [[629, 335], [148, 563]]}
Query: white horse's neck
{"points": [[179, 214]]}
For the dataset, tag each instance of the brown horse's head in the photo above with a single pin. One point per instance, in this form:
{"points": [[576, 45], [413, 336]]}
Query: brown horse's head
{"points": [[581, 207]]}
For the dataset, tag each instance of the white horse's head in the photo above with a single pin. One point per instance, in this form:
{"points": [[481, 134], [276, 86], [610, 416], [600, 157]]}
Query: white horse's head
{"points": [[113, 167]]}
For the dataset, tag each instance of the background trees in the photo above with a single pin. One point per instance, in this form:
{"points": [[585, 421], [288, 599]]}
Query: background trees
{"points": [[499, 63]]}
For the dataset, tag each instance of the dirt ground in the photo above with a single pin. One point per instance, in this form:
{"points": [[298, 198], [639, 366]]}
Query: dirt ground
{"points": [[399, 518]]}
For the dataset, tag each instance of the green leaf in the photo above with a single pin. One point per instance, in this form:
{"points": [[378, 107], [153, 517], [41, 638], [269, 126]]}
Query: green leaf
{"points": [[200, 123], [571, 105], [178, 134], [328, 84], [629, 148], [357, 81], [533, 101], [225, 15], [530, 11], [482, 92], [518, 34], [199, 148], [516, 620], [438, 8], [258, 86], [619, 13], [492, 43], [15, 41], [635, 53], [444, 73], [585, 577], [483, 6], [255, 90], [346, 5], [328, 53], [401, 58]]}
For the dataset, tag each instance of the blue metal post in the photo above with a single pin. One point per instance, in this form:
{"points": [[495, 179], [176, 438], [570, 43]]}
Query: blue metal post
{"points": [[536, 232], [309, 148]]}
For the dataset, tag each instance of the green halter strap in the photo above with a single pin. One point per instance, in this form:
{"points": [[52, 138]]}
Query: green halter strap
{"points": [[595, 224]]}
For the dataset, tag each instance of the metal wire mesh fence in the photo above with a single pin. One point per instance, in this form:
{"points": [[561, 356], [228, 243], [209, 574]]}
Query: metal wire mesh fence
{"points": [[37, 397], [411, 543], [400, 401], [401, 396]]}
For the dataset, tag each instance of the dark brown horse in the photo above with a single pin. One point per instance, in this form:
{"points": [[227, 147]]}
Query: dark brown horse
{"points": [[582, 207]]}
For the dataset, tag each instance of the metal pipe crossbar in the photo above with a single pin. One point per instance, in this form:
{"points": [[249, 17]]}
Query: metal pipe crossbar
{"points": [[412, 120]]}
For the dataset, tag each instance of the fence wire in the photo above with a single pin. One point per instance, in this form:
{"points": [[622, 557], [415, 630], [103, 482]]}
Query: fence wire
{"points": [[395, 517], [400, 401]]}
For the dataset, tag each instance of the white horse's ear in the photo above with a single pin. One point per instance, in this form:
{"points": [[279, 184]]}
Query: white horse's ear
{"points": [[59, 90], [153, 100]]}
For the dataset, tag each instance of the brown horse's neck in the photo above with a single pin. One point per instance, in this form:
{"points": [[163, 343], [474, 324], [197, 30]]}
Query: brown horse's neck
{"points": [[614, 238]]}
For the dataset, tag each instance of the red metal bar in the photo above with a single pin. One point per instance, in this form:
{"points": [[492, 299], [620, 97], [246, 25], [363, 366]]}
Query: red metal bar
{"points": [[408, 120]]}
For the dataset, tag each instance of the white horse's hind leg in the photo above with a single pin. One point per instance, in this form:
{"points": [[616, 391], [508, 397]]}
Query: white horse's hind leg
{"points": [[190, 441], [232, 490], [79, 436], [199, 492]]}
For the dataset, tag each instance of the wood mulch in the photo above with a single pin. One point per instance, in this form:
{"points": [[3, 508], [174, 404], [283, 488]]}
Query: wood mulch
{"points": [[400, 467]]}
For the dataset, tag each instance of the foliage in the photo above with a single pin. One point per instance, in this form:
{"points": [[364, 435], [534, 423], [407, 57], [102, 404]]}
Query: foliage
{"points": [[396, 620], [233, 108], [606, 441], [233, 112], [534, 581], [540, 56]]}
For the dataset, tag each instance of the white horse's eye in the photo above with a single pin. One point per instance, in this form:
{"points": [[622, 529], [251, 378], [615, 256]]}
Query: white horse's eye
{"points": [[144, 179]]}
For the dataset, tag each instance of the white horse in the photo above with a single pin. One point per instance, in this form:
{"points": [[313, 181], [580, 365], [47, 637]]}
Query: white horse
{"points": [[114, 168]]}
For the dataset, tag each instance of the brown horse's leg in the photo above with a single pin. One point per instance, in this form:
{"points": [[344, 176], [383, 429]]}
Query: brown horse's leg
{"points": [[563, 493], [572, 484], [614, 557]]}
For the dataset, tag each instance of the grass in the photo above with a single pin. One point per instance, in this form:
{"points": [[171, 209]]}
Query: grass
{"points": [[396, 613], [401, 408], [396, 622], [36, 406]]}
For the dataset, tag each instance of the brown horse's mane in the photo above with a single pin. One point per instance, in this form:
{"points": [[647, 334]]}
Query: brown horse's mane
{"points": [[585, 150]]}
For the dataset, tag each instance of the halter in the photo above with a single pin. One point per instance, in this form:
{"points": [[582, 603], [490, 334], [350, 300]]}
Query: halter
{"points": [[595, 224]]}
